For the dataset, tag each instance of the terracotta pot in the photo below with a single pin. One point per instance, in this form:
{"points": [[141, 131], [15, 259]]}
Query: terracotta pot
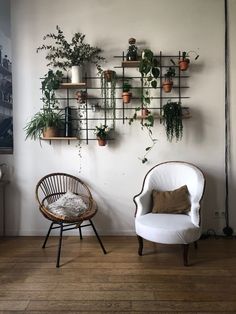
{"points": [[167, 86], [50, 132], [101, 142], [126, 97], [109, 75], [183, 64]]}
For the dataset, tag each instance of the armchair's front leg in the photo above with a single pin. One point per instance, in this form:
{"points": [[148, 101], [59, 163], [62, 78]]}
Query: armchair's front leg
{"points": [[185, 254], [140, 249]]}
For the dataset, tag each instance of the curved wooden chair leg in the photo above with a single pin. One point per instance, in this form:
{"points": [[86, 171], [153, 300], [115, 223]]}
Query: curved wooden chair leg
{"points": [[196, 245], [185, 254], [140, 249]]}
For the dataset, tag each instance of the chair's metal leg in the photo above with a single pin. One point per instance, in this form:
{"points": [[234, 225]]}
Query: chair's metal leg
{"points": [[185, 254], [196, 245], [140, 249], [80, 233], [59, 246], [99, 240], [49, 230]]}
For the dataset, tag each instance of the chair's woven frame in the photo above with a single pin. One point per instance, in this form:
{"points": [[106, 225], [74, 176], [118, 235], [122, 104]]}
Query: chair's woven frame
{"points": [[52, 186]]}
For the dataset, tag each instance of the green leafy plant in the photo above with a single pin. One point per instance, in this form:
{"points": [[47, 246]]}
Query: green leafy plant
{"points": [[126, 86], [41, 120], [49, 116], [172, 119], [170, 73], [108, 88], [64, 54], [50, 83], [132, 51], [102, 131], [149, 71]]}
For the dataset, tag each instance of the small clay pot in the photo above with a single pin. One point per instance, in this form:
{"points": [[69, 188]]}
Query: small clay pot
{"points": [[109, 75], [167, 86], [183, 64], [101, 142], [50, 132], [126, 97]]}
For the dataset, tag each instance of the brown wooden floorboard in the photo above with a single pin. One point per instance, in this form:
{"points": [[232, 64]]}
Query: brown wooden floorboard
{"points": [[119, 282]]}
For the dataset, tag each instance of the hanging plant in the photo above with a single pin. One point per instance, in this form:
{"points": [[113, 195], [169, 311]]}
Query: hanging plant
{"points": [[149, 71], [108, 88], [172, 117]]}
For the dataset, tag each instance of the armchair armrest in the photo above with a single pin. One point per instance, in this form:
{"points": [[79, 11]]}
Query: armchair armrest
{"points": [[143, 203]]}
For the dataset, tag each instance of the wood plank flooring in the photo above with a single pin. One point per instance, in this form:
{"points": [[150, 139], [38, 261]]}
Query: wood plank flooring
{"points": [[121, 281]]}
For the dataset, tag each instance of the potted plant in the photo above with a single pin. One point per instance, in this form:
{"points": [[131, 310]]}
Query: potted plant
{"points": [[172, 118], [108, 88], [46, 122], [51, 82], [74, 54], [185, 59], [168, 82], [132, 53], [126, 95], [102, 133]]}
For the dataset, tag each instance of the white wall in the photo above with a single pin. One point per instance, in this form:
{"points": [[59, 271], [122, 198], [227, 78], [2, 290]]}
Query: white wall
{"points": [[115, 173]]}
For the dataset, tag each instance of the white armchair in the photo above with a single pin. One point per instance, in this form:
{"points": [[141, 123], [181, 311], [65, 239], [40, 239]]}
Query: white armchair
{"points": [[170, 228]]}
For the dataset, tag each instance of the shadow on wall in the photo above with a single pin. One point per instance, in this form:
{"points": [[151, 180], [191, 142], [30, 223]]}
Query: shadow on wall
{"points": [[213, 203]]}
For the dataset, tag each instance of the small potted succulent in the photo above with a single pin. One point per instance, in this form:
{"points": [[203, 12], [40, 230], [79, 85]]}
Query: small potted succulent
{"points": [[126, 95], [102, 133], [132, 53], [185, 59], [168, 82]]}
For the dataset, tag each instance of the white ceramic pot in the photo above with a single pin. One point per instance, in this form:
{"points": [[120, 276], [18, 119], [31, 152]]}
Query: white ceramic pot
{"points": [[76, 74]]}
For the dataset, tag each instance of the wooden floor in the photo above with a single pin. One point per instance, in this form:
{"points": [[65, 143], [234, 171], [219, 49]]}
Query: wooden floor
{"points": [[119, 282]]}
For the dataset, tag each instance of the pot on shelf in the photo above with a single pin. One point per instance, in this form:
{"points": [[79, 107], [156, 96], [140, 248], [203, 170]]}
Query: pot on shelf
{"points": [[50, 132], [126, 97], [101, 141], [76, 74], [145, 112], [183, 64], [109, 75], [167, 86]]}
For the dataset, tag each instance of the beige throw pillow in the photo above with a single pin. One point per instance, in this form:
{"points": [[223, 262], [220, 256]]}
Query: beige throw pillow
{"points": [[171, 202]]}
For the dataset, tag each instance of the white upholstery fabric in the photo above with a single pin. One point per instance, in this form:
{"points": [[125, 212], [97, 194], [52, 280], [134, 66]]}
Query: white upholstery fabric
{"points": [[167, 228], [167, 177]]}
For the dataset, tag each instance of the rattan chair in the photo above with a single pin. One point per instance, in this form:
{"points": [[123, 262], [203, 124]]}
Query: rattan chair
{"points": [[49, 189]]}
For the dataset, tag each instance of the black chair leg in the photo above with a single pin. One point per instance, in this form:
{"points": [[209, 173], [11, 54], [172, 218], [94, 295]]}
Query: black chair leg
{"points": [[196, 245], [46, 239], [59, 246], [185, 254], [140, 249], [99, 240], [80, 233]]}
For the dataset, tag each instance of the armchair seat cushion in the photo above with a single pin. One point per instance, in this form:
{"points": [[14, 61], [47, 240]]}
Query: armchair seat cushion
{"points": [[167, 228]]}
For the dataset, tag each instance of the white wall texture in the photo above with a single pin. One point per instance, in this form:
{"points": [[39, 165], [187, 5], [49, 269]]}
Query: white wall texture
{"points": [[115, 173]]}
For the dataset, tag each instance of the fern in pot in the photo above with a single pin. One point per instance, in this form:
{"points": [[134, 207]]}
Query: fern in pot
{"points": [[49, 119]]}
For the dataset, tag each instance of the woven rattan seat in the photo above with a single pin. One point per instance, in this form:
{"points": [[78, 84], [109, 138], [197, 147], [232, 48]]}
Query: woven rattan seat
{"points": [[50, 189]]}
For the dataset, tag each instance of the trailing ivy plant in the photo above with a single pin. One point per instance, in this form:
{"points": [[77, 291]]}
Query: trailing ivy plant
{"points": [[149, 71], [172, 119]]}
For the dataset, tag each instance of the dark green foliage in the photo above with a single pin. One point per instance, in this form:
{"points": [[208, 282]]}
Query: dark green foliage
{"points": [[170, 73], [172, 116], [50, 83], [64, 54]]}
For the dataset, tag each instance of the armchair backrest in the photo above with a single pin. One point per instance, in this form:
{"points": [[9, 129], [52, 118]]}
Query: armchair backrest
{"points": [[171, 175]]}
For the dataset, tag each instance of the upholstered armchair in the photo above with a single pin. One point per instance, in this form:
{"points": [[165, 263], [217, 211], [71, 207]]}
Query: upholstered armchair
{"points": [[170, 228]]}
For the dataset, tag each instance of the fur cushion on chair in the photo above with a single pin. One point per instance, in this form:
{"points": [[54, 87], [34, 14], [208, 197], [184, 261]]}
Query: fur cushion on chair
{"points": [[171, 202], [67, 206]]}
